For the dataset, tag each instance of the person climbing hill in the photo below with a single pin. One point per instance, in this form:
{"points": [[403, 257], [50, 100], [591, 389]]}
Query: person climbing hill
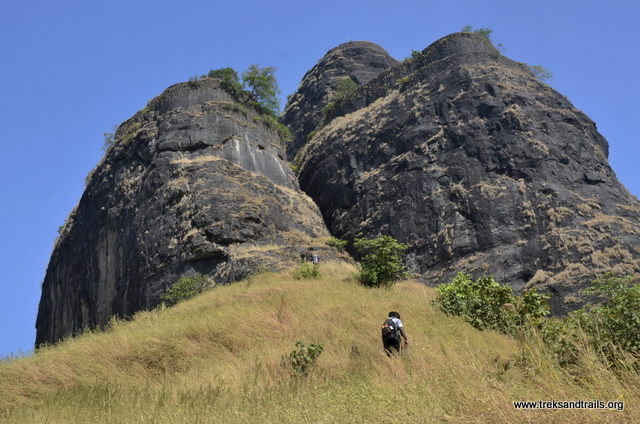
{"points": [[392, 330]]}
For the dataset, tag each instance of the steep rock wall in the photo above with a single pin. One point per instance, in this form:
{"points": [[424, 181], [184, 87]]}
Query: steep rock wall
{"points": [[359, 60], [194, 182], [479, 167]]}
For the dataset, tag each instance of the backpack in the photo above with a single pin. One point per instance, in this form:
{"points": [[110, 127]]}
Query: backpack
{"points": [[389, 329]]}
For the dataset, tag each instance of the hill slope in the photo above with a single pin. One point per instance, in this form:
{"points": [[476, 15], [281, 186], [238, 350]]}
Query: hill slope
{"points": [[218, 358]]}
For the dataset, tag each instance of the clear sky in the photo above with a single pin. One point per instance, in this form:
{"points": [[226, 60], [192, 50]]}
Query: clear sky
{"points": [[71, 70]]}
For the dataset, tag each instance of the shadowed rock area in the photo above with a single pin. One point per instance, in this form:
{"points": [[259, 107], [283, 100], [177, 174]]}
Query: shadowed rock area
{"points": [[359, 60], [194, 182], [479, 167]]}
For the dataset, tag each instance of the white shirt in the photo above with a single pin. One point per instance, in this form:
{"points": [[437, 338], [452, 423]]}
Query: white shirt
{"points": [[396, 322]]}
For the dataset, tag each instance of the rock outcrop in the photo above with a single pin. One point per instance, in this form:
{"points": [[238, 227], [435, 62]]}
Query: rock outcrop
{"points": [[459, 152], [359, 60], [465, 156], [194, 182]]}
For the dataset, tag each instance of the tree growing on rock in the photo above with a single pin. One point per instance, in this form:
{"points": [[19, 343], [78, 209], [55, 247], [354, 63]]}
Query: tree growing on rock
{"points": [[262, 87]]}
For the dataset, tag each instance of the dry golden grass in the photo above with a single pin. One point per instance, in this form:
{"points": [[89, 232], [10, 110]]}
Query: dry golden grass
{"points": [[217, 359]]}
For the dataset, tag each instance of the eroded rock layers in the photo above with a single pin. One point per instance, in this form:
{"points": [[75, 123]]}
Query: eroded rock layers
{"points": [[195, 182], [479, 167], [359, 60]]}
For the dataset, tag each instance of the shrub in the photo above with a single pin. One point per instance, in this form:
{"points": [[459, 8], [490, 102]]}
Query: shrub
{"points": [[303, 358], [485, 303], [194, 81], [560, 338], [609, 328], [186, 287], [307, 271], [282, 130], [109, 139], [337, 243], [485, 33], [229, 80], [311, 134], [382, 260], [345, 87], [540, 72], [415, 55], [615, 320]]}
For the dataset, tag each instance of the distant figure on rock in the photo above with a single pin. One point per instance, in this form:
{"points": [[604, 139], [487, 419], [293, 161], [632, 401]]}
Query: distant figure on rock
{"points": [[392, 329], [309, 256]]}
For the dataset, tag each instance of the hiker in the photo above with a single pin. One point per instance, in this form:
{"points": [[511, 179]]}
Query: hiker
{"points": [[392, 329], [314, 259]]}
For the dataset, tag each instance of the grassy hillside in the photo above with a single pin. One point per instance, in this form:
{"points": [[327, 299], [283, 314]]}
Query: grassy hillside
{"points": [[218, 359]]}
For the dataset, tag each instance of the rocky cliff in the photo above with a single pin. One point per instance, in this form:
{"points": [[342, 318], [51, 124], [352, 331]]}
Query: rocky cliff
{"points": [[194, 182], [459, 152], [465, 156], [358, 60]]}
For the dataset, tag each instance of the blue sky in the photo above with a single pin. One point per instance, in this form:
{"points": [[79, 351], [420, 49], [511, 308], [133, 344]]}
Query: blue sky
{"points": [[71, 70]]}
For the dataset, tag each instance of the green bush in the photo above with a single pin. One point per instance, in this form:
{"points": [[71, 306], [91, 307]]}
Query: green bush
{"points": [[560, 336], [307, 271], [485, 303], [303, 358], [615, 319], [282, 130], [194, 81], [229, 80], [345, 87], [540, 72], [311, 134], [186, 287], [484, 33], [402, 81], [337, 243], [415, 55], [382, 260]]}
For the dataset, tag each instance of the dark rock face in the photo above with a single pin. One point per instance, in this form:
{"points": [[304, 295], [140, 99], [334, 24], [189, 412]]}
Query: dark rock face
{"points": [[478, 167], [359, 60], [195, 181]]}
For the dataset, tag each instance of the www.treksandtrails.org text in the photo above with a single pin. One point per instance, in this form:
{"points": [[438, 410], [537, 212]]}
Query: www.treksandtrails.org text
{"points": [[570, 404]]}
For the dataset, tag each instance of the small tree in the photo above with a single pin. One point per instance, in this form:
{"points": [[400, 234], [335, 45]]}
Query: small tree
{"points": [[262, 87], [540, 72], [382, 260], [109, 139]]}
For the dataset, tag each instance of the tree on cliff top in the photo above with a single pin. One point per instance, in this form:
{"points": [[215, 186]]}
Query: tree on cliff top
{"points": [[262, 87]]}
